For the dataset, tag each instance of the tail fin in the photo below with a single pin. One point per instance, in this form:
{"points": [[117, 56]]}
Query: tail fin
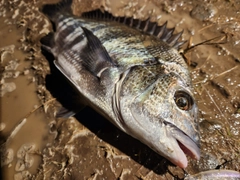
{"points": [[51, 10]]}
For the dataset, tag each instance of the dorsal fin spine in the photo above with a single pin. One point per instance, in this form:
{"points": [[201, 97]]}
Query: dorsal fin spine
{"points": [[174, 39], [146, 25], [139, 24], [161, 32], [153, 29], [167, 34]]}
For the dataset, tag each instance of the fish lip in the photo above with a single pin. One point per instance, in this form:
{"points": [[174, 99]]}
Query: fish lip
{"points": [[186, 144]]}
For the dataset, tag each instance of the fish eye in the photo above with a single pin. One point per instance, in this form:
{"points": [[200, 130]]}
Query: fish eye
{"points": [[183, 100]]}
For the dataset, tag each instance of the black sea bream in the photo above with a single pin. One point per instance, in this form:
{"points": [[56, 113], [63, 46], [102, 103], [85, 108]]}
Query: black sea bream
{"points": [[131, 72]]}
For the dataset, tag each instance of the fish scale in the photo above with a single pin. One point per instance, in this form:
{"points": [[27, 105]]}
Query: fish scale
{"points": [[131, 72], [145, 76]]}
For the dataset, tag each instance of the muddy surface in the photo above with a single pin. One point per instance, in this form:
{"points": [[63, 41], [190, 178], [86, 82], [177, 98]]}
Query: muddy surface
{"points": [[37, 145]]}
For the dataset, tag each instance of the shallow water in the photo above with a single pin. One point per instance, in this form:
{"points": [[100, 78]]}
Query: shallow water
{"points": [[24, 124], [91, 147]]}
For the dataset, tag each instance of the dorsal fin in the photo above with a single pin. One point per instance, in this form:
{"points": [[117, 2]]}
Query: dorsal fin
{"points": [[162, 32]]}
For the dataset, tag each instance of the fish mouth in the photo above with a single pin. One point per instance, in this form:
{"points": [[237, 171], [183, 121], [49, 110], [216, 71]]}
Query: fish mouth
{"points": [[184, 145]]}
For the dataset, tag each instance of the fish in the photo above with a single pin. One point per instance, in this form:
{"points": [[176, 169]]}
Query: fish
{"points": [[131, 72], [220, 174]]}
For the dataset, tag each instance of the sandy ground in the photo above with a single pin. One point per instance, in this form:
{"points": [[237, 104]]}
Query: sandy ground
{"points": [[40, 146]]}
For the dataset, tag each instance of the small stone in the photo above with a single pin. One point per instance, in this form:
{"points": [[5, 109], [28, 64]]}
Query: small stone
{"points": [[20, 165], [6, 157], [2, 126], [7, 87], [16, 74], [7, 74], [28, 161], [22, 175], [24, 149], [12, 65], [203, 11], [26, 72]]}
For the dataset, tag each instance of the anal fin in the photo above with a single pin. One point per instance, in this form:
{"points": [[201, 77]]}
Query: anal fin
{"points": [[66, 113]]}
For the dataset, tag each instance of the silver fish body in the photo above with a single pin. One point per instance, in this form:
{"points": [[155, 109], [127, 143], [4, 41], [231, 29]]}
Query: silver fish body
{"points": [[220, 174], [135, 78]]}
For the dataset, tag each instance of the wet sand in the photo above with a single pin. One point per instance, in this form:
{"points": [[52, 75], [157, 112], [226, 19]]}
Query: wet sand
{"points": [[89, 146]]}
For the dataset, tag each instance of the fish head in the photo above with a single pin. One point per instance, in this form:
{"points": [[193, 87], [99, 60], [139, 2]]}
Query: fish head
{"points": [[158, 108]]}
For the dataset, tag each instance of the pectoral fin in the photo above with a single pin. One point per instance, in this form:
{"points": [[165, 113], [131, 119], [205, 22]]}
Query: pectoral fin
{"points": [[94, 55]]}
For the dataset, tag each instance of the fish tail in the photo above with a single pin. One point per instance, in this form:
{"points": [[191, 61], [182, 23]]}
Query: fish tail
{"points": [[52, 10]]}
